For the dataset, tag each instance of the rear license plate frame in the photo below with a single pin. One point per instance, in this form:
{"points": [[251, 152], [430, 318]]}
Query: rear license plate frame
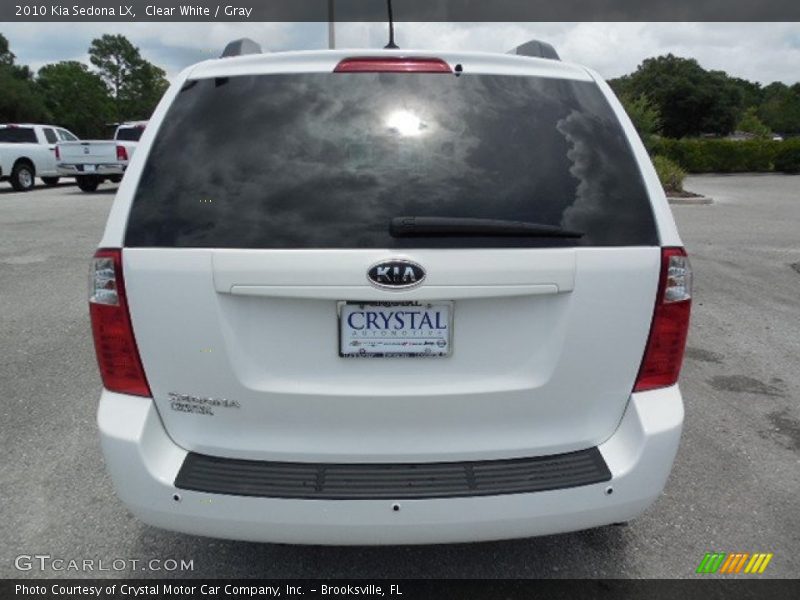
{"points": [[435, 351]]}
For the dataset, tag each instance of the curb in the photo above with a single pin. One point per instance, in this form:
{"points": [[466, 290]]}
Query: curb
{"points": [[695, 201]]}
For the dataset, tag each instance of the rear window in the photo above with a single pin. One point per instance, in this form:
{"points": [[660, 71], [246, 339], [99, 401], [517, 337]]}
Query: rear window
{"points": [[129, 134], [326, 160], [18, 135]]}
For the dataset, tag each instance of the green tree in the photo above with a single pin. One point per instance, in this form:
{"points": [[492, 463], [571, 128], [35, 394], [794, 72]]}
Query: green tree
{"points": [[19, 100], [690, 99], [6, 56], [142, 91], [76, 98], [780, 110], [752, 92], [115, 57], [645, 116], [7, 61], [750, 123], [19, 97], [136, 85]]}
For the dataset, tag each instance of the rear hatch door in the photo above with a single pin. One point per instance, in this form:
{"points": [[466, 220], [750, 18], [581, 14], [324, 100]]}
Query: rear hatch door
{"points": [[238, 272]]}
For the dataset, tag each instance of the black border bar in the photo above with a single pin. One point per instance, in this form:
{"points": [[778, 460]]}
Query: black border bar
{"points": [[415, 589], [404, 10]]}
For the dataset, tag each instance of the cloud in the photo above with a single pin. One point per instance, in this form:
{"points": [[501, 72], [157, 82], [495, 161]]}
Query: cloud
{"points": [[762, 52], [172, 46]]}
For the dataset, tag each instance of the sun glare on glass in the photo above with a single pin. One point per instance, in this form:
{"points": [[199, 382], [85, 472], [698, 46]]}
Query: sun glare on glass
{"points": [[405, 123]]}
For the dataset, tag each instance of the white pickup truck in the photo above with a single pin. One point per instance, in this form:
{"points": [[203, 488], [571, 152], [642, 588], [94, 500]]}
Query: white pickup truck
{"points": [[28, 151], [94, 161]]}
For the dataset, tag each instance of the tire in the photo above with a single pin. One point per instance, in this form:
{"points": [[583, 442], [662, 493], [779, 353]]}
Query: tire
{"points": [[23, 176], [115, 178], [87, 183], [50, 181]]}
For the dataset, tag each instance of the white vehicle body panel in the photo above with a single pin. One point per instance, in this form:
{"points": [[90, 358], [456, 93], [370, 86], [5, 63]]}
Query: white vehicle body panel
{"points": [[271, 347], [41, 154], [94, 157], [143, 461]]}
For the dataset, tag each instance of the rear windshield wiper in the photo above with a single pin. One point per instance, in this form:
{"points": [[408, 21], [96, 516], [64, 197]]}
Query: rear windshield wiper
{"points": [[459, 226]]}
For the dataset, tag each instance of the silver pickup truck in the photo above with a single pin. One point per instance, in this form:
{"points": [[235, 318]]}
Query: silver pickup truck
{"points": [[94, 161]]}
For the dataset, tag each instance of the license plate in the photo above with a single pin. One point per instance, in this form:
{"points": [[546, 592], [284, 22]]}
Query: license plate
{"points": [[395, 329], [88, 168]]}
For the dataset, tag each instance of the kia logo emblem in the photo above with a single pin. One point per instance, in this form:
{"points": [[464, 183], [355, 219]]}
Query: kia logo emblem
{"points": [[396, 274]]}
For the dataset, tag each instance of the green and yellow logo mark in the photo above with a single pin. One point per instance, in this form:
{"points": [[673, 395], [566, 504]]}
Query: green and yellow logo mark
{"points": [[737, 562]]}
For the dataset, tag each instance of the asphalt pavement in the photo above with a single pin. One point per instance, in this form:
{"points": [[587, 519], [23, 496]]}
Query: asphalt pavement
{"points": [[735, 486]]}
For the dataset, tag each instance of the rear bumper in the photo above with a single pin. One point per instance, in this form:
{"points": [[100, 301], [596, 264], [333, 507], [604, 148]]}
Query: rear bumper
{"points": [[102, 170], [144, 462]]}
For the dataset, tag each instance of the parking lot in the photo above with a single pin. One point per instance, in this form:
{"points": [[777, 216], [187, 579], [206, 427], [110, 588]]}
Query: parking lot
{"points": [[735, 486]]}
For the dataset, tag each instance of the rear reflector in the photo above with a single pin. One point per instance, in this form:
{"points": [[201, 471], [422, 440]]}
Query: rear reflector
{"points": [[117, 355], [122, 153], [663, 356], [392, 64]]}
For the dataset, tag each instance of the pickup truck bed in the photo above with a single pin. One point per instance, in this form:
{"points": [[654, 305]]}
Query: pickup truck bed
{"points": [[93, 161]]}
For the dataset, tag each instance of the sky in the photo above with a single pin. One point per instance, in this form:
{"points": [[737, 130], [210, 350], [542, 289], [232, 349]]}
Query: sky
{"points": [[762, 52]]}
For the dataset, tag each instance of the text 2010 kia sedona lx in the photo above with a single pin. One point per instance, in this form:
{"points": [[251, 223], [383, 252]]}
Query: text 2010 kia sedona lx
{"points": [[389, 297]]}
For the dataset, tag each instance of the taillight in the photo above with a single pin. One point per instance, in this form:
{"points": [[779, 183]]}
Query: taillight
{"points": [[392, 64], [117, 355], [663, 355], [58, 154], [122, 153]]}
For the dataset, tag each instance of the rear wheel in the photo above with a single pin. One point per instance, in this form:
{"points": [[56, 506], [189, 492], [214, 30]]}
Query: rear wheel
{"points": [[50, 181], [87, 183], [22, 177], [115, 178]]}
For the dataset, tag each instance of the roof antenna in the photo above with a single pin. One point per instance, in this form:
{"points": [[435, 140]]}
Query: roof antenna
{"points": [[331, 26], [391, 45]]}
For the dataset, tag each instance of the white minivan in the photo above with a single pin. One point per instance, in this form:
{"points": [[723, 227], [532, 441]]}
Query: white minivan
{"points": [[389, 297]]}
